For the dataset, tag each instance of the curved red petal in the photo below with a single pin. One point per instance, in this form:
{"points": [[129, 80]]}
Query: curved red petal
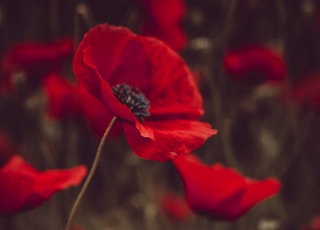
{"points": [[114, 54], [50, 181], [13, 194], [221, 192], [17, 164], [174, 90], [202, 181], [242, 201], [255, 192], [28, 188], [164, 140]]}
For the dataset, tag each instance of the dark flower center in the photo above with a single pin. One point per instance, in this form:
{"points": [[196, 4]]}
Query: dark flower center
{"points": [[133, 98]]}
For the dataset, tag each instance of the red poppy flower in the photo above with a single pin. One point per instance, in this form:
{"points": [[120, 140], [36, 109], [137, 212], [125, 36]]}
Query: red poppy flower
{"points": [[34, 59], [175, 207], [221, 192], [255, 63], [23, 187], [60, 95], [163, 20], [147, 86], [307, 91]]}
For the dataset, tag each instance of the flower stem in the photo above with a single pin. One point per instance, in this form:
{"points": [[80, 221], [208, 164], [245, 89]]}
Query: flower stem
{"points": [[91, 173], [82, 14]]}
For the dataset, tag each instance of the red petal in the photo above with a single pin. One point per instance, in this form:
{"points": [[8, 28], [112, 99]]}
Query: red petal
{"points": [[242, 62], [174, 90], [51, 181], [221, 192], [165, 12], [60, 95], [175, 207], [165, 26], [193, 171], [115, 54], [35, 60], [28, 54], [27, 188], [95, 113], [255, 192], [164, 140]]}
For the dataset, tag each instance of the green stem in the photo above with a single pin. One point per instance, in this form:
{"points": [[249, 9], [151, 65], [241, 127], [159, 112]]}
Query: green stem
{"points": [[91, 173]]}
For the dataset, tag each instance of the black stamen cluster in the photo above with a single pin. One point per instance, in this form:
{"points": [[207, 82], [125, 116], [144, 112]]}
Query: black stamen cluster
{"points": [[133, 98]]}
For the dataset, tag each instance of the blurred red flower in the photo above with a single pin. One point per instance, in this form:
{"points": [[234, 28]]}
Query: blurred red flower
{"points": [[34, 60], [175, 207], [221, 192], [77, 228], [307, 91], [147, 86], [60, 96], [163, 20], [314, 224], [23, 187], [255, 63]]}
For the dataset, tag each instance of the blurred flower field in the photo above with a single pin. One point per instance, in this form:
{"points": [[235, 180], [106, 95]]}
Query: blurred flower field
{"points": [[161, 114]]}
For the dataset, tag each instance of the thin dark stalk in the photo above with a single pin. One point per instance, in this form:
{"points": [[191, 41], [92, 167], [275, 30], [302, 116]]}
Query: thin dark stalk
{"points": [[91, 173], [54, 17], [217, 92], [82, 15]]}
